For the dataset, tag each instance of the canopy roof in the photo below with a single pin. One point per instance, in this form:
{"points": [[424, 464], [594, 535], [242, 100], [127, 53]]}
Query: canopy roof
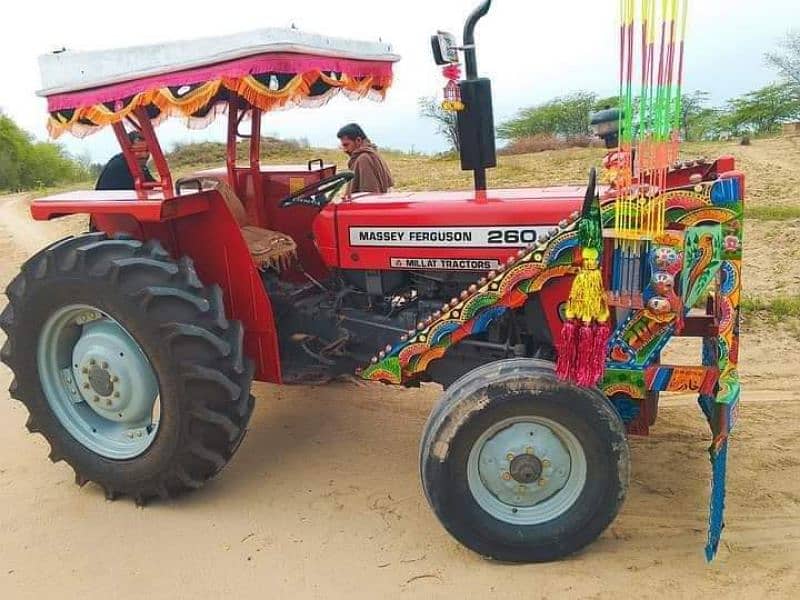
{"points": [[269, 68]]}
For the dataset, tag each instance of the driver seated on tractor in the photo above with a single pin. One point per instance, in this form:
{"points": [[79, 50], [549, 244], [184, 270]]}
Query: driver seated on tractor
{"points": [[371, 173], [116, 175]]}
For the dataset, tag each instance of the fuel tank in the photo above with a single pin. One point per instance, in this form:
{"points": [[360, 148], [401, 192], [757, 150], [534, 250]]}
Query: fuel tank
{"points": [[458, 230]]}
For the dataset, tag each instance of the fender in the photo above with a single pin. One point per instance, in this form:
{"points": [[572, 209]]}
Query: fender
{"points": [[199, 226]]}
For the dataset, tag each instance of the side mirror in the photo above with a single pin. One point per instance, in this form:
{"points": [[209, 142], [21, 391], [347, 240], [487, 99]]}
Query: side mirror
{"points": [[445, 48]]}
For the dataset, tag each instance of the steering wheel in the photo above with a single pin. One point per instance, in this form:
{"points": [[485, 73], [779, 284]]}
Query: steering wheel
{"points": [[319, 193]]}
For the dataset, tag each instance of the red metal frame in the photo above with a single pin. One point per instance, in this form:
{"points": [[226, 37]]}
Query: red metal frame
{"points": [[201, 226], [143, 125]]}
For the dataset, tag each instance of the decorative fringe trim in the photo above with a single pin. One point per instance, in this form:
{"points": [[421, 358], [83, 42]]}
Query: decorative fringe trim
{"points": [[567, 350], [583, 370], [193, 102], [293, 94]]}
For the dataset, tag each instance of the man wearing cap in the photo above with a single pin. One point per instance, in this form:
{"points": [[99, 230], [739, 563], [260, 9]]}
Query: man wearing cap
{"points": [[116, 175]]}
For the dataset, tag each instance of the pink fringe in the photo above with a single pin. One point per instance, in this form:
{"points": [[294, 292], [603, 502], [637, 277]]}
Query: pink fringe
{"points": [[565, 365], [599, 350], [584, 371]]}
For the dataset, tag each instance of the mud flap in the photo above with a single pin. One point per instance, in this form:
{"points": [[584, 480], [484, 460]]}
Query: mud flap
{"points": [[721, 417]]}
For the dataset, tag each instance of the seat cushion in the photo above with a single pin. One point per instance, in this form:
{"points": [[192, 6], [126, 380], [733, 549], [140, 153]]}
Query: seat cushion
{"points": [[269, 248]]}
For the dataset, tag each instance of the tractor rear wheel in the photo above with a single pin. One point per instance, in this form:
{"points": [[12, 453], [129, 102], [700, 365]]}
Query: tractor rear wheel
{"points": [[127, 365], [522, 467]]}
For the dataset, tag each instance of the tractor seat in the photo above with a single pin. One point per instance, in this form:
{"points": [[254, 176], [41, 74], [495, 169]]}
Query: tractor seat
{"points": [[269, 249]]}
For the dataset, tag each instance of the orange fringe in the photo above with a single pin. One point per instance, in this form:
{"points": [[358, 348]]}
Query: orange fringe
{"points": [[249, 88]]}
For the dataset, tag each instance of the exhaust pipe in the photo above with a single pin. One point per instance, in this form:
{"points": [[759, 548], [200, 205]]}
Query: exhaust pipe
{"points": [[470, 57]]}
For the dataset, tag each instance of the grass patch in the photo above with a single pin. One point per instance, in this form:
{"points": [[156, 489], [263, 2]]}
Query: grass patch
{"points": [[772, 212], [775, 309]]}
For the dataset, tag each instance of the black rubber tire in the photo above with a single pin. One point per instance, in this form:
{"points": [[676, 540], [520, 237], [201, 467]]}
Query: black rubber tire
{"points": [[518, 387], [196, 354]]}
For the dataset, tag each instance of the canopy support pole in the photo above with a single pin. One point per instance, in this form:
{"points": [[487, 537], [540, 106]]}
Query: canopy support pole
{"points": [[149, 135]]}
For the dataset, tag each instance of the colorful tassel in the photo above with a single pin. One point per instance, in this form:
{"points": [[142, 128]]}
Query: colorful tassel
{"points": [[583, 374], [601, 332], [585, 333], [567, 350]]}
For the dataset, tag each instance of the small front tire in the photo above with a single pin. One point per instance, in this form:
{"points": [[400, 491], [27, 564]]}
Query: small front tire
{"points": [[522, 467]]}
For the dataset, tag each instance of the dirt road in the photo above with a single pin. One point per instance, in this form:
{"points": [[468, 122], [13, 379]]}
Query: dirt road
{"points": [[323, 501]]}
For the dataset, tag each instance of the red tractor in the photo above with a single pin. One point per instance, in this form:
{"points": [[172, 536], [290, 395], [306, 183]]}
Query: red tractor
{"points": [[134, 346]]}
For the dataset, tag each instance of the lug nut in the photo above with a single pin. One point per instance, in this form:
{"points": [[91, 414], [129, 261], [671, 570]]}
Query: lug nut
{"points": [[545, 463], [542, 481], [115, 379], [506, 476], [510, 456], [97, 398], [116, 394]]}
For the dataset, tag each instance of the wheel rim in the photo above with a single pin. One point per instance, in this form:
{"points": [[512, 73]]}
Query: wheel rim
{"points": [[98, 382], [526, 470]]}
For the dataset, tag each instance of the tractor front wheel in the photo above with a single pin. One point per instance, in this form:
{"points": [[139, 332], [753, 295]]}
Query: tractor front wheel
{"points": [[127, 365], [522, 467]]}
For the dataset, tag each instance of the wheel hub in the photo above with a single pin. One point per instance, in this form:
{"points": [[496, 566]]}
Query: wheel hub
{"points": [[114, 377], [98, 382], [525, 468]]}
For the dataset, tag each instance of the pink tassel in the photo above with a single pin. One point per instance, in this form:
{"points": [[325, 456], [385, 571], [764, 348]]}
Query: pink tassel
{"points": [[599, 350], [583, 371], [565, 365]]}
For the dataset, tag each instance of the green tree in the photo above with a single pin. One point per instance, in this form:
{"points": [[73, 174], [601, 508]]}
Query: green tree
{"points": [[566, 116], [26, 164], [14, 145], [787, 59], [445, 120], [762, 111]]}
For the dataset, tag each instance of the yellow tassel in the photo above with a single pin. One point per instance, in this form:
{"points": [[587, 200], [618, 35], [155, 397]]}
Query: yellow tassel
{"points": [[587, 298]]}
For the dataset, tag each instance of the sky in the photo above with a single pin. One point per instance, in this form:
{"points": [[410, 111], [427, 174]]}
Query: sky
{"points": [[532, 50]]}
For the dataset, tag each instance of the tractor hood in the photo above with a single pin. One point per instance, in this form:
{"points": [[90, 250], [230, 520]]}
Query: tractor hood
{"points": [[439, 230]]}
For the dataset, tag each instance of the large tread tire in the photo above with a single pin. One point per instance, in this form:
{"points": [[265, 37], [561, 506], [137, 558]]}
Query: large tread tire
{"points": [[513, 388], [196, 353]]}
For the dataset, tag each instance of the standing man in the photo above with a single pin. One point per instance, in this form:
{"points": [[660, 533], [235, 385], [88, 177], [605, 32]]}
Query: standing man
{"points": [[371, 171], [116, 175]]}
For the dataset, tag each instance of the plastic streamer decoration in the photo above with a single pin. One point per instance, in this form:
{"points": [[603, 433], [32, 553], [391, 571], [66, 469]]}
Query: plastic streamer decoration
{"points": [[649, 131], [584, 335]]}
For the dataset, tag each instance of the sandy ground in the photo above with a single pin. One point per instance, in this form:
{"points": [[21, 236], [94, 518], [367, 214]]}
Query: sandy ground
{"points": [[323, 500]]}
